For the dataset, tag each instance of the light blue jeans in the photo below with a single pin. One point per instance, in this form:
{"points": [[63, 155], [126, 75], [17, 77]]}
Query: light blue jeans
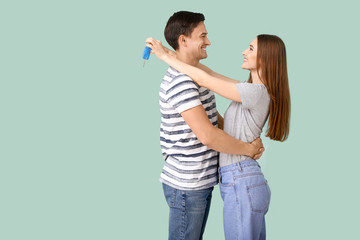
{"points": [[246, 197], [189, 211]]}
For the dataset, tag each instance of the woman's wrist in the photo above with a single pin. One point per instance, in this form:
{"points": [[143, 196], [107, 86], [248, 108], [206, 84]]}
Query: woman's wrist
{"points": [[165, 57], [252, 151]]}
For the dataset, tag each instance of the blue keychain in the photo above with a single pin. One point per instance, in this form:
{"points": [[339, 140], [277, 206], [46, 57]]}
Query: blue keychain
{"points": [[146, 54]]}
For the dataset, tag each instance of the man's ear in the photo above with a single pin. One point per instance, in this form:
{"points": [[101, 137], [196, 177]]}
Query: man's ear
{"points": [[182, 41]]}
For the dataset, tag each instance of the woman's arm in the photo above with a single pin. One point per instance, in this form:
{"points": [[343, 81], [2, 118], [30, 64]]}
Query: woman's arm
{"points": [[215, 74], [204, 68], [220, 86], [223, 87]]}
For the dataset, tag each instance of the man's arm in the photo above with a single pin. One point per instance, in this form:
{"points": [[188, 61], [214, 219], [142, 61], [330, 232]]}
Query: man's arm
{"points": [[216, 138]]}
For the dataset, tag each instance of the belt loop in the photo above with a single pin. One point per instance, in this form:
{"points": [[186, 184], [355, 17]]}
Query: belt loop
{"points": [[219, 174], [238, 163]]}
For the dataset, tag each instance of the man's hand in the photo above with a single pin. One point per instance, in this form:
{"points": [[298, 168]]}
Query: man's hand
{"points": [[258, 147]]}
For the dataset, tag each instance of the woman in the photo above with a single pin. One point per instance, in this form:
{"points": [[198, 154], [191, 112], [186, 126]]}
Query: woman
{"points": [[265, 95]]}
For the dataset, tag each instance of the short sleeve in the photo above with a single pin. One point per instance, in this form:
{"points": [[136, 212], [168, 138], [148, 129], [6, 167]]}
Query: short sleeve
{"points": [[250, 93], [183, 93]]}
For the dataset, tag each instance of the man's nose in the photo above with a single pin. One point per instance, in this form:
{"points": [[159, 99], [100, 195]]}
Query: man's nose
{"points": [[207, 42]]}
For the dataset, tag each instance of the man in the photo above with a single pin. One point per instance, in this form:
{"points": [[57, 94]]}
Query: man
{"points": [[189, 135]]}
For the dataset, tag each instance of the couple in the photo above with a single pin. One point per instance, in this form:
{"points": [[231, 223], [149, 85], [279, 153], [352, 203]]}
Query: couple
{"points": [[191, 132]]}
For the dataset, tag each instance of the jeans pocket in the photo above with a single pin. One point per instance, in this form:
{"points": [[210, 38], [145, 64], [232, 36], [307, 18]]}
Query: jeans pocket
{"points": [[259, 197], [226, 180], [170, 195]]}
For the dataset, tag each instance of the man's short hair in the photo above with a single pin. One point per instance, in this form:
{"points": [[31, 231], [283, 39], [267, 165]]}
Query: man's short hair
{"points": [[181, 23]]}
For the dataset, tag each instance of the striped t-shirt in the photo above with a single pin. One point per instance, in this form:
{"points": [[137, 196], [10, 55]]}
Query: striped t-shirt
{"points": [[189, 164]]}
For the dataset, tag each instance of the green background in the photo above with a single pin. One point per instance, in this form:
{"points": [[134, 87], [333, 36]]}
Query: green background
{"points": [[79, 125]]}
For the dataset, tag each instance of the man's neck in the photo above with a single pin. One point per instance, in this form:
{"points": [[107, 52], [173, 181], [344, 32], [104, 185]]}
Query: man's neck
{"points": [[186, 58]]}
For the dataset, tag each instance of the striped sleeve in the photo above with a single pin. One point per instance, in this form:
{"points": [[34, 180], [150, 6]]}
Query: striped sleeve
{"points": [[183, 93]]}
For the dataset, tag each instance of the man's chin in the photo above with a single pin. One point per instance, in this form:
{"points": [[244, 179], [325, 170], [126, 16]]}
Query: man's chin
{"points": [[204, 56]]}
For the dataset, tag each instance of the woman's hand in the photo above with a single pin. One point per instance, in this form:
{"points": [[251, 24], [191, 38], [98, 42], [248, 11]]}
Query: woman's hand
{"points": [[158, 49]]}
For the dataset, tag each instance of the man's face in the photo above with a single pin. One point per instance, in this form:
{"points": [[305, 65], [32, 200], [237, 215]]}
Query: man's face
{"points": [[197, 42]]}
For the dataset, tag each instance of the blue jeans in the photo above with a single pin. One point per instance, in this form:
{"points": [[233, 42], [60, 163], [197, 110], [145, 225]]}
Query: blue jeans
{"points": [[246, 197], [189, 211]]}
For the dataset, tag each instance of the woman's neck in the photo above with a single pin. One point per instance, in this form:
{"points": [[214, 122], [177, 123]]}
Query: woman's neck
{"points": [[255, 77]]}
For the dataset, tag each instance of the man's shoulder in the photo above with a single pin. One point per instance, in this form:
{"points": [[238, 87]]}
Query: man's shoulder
{"points": [[173, 74], [175, 78]]}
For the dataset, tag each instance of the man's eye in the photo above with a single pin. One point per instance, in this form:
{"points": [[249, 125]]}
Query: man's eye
{"points": [[251, 49]]}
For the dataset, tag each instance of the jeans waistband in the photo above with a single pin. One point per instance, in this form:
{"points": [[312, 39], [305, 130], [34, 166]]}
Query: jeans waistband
{"points": [[239, 165]]}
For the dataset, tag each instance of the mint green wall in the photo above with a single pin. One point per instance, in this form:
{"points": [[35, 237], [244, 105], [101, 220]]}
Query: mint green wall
{"points": [[79, 124]]}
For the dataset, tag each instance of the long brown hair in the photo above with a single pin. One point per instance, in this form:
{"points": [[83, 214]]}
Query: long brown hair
{"points": [[271, 60]]}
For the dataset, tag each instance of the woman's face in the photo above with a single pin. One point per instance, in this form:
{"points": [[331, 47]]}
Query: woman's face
{"points": [[250, 56]]}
